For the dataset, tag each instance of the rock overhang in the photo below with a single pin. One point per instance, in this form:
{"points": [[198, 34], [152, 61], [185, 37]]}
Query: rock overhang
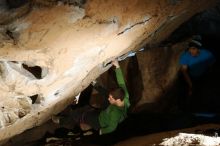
{"points": [[69, 44]]}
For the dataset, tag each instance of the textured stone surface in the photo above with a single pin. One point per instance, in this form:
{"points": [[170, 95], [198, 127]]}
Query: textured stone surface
{"points": [[55, 52]]}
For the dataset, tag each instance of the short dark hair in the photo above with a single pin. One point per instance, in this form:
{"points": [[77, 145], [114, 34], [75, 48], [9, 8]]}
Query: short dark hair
{"points": [[118, 93], [193, 44]]}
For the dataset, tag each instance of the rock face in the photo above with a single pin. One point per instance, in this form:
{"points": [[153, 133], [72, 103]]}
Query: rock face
{"points": [[51, 54], [158, 72]]}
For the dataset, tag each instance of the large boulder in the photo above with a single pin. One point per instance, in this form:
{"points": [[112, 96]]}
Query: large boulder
{"points": [[52, 53]]}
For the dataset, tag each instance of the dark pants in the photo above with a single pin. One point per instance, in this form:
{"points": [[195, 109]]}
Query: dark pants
{"points": [[86, 114], [187, 102]]}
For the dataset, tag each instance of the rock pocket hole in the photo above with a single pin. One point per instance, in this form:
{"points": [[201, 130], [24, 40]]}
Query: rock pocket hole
{"points": [[34, 98], [35, 70]]}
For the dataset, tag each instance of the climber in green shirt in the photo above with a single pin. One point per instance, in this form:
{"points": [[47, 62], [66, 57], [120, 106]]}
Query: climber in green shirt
{"points": [[112, 111], [116, 112]]}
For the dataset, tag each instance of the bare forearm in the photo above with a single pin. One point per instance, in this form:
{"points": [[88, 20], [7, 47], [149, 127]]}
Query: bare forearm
{"points": [[187, 79]]}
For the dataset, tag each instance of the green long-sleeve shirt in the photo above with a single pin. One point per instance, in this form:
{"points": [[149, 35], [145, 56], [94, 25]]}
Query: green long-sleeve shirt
{"points": [[113, 115]]}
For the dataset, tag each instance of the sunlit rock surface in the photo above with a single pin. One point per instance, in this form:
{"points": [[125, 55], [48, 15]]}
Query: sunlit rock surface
{"points": [[52, 53], [191, 139]]}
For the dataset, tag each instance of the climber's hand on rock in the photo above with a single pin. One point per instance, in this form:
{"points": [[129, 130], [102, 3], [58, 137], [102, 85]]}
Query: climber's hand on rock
{"points": [[75, 101], [115, 63]]}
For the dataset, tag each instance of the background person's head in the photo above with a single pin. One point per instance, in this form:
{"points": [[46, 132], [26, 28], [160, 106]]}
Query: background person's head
{"points": [[194, 48], [116, 96]]}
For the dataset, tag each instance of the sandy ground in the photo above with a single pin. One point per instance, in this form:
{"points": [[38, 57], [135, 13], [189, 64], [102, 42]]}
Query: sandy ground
{"points": [[156, 139], [206, 134]]}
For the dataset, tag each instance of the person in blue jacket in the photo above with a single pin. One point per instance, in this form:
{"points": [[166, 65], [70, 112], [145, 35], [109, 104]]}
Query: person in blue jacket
{"points": [[195, 62]]}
